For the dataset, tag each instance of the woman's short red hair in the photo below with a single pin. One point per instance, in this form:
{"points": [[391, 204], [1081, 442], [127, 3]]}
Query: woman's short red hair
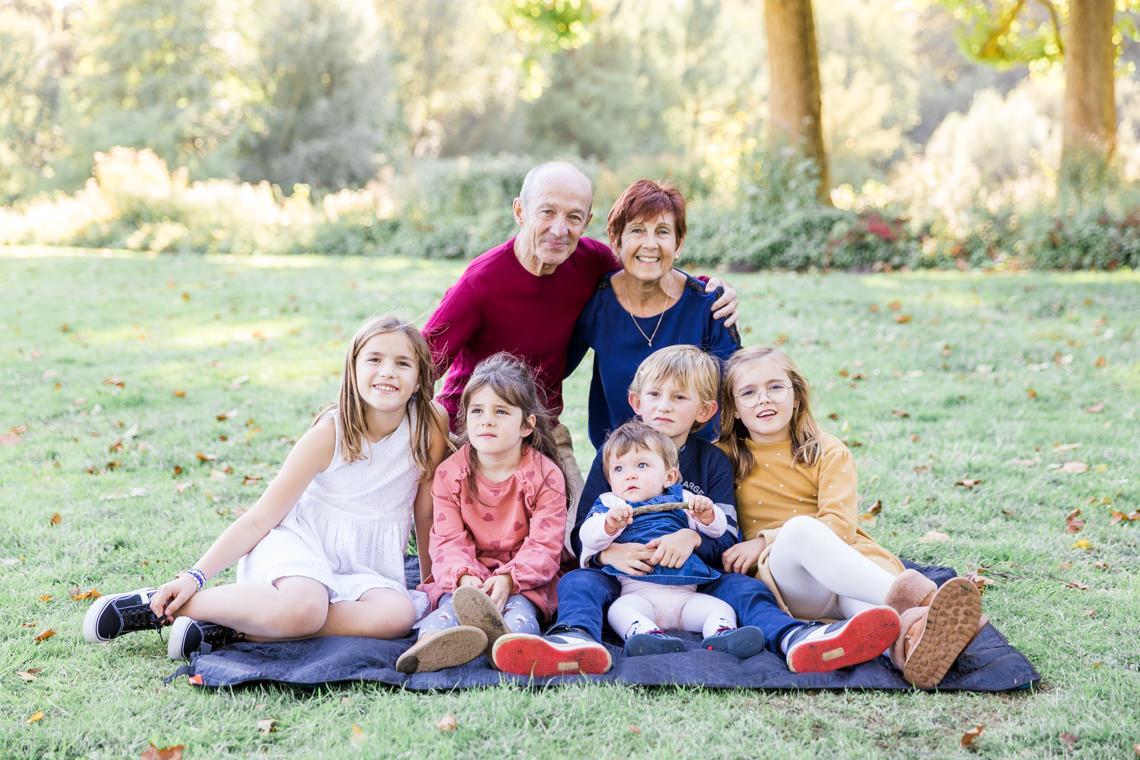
{"points": [[646, 199]]}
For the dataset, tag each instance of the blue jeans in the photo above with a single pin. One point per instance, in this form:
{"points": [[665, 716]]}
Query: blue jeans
{"points": [[586, 593]]}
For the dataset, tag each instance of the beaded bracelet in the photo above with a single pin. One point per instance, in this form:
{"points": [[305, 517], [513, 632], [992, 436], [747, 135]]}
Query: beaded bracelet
{"points": [[198, 576]]}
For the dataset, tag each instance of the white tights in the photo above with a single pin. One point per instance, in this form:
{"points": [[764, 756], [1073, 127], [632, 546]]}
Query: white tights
{"points": [[821, 576], [645, 606]]}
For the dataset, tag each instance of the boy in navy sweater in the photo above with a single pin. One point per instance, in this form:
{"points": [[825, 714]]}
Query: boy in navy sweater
{"points": [[675, 391]]}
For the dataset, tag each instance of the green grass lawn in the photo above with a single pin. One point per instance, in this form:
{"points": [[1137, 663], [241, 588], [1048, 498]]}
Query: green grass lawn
{"points": [[145, 400]]}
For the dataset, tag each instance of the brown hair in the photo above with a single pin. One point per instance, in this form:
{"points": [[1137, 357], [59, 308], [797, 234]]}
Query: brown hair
{"points": [[637, 436], [806, 445], [513, 381], [350, 410], [687, 366], [646, 199]]}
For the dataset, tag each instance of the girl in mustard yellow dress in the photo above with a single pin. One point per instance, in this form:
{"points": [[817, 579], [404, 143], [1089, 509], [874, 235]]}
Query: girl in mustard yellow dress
{"points": [[796, 503]]}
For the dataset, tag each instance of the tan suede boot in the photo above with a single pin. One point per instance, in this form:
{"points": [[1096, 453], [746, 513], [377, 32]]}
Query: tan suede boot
{"points": [[910, 589], [473, 607], [932, 637], [445, 649]]}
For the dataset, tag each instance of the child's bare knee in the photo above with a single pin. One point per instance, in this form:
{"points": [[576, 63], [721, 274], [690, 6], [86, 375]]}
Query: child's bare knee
{"points": [[305, 617]]}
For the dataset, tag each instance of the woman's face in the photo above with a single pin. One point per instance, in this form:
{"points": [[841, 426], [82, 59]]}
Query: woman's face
{"points": [[648, 247]]}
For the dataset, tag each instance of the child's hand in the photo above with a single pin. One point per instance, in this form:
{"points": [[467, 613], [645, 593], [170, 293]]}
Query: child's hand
{"points": [[743, 557], [469, 580], [617, 518], [631, 559], [172, 595], [499, 587], [672, 550], [701, 507]]}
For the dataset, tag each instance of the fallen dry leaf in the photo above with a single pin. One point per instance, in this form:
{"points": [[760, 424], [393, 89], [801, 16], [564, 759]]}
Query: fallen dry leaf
{"points": [[180, 487], [1030, 394], [1025, 462], [1072, 523], [968, 483], [56, 518], [45, 634], [980, 581], [223, 416], [28, 675], [902, 319], [634, 729], [900, 413], [1083, 544], [1096, 408], [873, 510], [874, 308], [972, 735], [1066, 446], [9, 439], [1077, 585], [1100, 361], [267, 726], [35, 717], [82, 596], [1068, 739], [205, 457], [165, 753], [1120, 517], [115, 381], [249, 480], [46, 597], [447, 723], [1090, 613], [357, 735], [933, 536], [1075, 467], [894, 305], [179, 394]]}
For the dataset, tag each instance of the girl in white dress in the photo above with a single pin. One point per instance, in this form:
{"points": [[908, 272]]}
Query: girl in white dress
{"points": [[321, 553]]}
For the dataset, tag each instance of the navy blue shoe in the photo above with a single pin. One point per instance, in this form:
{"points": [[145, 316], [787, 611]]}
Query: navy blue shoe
{"points": [[652, 642], [739, 642]]}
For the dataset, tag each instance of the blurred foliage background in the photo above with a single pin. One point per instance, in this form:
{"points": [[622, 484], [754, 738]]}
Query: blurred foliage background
{"points": [[405, 126]]}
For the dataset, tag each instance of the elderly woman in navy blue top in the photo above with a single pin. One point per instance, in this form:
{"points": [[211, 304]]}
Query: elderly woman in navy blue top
{"points": [[645, 305]]}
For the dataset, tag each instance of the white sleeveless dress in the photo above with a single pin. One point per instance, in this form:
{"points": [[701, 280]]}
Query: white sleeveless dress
{"points": [[349, 530]]}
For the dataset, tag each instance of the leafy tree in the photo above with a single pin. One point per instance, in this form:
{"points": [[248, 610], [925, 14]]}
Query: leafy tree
{"points": [[153, 74], [1086, 36], [33, 56], [321, 107]]}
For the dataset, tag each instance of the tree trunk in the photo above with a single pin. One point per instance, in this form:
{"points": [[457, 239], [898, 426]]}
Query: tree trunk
{"points": [[1089, 120], [794, 97]]}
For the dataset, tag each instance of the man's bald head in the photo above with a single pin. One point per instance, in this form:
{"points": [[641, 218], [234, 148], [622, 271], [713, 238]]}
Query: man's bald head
{"points": [[554, 172]]}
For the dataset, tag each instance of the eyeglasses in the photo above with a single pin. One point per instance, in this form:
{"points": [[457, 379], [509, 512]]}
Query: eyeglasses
{"points": [[776, 393]]}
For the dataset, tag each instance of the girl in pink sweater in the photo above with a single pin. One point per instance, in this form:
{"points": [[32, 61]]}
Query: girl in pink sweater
{"points": [[499, 522]]}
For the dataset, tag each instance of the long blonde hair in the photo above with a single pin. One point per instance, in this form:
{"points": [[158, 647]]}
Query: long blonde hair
{"points": [[350, 408], [806, 444], [510, 379]]}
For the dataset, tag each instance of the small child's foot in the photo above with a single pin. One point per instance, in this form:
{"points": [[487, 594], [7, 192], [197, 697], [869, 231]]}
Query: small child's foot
{"points": [[739, 642], [115, 614], [446, 649], [819, 648], [557, 655], [932, 637], [188, 635], [652, 642], [475, 608]]}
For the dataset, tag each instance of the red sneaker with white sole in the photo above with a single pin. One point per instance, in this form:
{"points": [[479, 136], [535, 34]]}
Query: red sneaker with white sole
{"points": [[819, 648], [527, 655]]}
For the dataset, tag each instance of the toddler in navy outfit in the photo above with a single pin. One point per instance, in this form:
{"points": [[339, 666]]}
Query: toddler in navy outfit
{"points": [[648, 503]]}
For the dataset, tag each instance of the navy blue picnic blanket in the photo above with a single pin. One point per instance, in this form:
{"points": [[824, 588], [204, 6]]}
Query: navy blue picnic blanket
{"points": [[988, 664]]}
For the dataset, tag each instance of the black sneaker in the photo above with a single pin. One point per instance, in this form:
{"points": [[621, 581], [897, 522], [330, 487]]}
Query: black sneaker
{"points": [[740, 642], [652, 642], [187, 636], [115, 614]]}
